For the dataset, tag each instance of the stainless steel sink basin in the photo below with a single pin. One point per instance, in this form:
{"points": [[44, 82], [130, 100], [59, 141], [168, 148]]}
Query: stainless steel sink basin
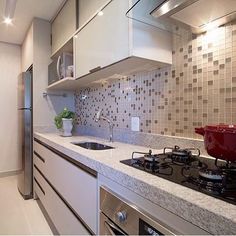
{"points": [[93, 146]]}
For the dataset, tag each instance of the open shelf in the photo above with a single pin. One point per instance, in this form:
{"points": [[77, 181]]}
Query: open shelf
{"points": [[128, 66], [67, 83], [66, 47]]}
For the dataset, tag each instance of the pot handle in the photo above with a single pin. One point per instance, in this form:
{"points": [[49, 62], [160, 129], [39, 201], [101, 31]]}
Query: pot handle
{"points": [[200, 131]]}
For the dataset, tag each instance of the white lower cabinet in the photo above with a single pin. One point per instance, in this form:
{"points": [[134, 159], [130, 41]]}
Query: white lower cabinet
{"points": [[70, 181], [62, 217]]}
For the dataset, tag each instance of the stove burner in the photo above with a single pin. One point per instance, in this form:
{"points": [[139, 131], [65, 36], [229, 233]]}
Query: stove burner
{"points": [[151, 163], [150, 157], [212, 187], [221, 180], [181, 152], [211, 175], [181, 156], [186, 167]]}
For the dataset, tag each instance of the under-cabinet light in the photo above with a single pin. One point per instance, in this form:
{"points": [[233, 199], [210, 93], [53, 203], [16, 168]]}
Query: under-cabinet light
{"points": [[100, 13]]}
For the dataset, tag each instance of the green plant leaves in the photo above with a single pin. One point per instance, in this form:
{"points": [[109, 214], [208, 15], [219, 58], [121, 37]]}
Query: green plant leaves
{"points": [[64, 114]]}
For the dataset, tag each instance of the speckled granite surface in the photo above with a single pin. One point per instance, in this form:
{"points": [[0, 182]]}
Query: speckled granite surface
{"points": [[155, 141], [213, 215]]}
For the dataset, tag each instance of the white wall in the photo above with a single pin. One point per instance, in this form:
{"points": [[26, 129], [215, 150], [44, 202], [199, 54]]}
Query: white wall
{"points": [[27, 48], [45, 109], [10, 67]]}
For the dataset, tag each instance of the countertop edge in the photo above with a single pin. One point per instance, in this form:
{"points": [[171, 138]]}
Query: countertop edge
{"points": [[204, 218]]}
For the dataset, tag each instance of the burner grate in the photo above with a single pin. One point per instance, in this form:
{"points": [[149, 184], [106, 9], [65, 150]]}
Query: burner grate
{"points": [[187, 168], [151, 163]]}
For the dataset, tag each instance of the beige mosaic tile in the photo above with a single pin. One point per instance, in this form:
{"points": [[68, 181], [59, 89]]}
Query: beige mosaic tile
{"points": [[198, 89]]}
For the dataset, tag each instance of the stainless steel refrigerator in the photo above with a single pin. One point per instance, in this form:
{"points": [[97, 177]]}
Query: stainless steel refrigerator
{"points": [[25, 178]]}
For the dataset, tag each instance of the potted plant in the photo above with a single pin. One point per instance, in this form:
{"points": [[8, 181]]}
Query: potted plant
{"points": [[64, 122]]}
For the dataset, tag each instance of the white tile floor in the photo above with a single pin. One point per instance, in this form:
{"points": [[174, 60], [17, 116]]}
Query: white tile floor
{"points": [[19, 216]]}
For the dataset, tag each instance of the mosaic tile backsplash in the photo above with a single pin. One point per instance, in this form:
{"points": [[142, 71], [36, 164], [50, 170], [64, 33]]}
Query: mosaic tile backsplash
{"points": [[198, 89]]}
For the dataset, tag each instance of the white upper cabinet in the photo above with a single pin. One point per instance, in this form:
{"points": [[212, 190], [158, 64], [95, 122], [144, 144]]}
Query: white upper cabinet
{"points": [[113, 37], [88, 8], [64, 25], [103, 41]]}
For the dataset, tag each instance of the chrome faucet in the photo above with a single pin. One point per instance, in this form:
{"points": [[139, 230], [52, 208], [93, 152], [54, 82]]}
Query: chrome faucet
{"points": [[99, 116]]}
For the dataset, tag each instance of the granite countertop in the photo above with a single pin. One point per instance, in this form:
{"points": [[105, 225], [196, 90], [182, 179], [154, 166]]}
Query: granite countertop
{"points": [[210, 214]]}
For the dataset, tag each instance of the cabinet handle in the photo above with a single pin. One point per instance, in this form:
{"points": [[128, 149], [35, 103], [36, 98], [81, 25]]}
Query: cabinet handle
{"points": [[95, 69], [36, 181], [81, 166], [58, 67], [39, 157]]}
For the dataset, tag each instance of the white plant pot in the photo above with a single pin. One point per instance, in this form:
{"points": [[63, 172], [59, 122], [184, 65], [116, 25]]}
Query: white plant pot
{"points": [[67, 127]]}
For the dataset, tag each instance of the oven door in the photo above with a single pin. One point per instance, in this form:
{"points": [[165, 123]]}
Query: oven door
{"points": [[107, 227]]}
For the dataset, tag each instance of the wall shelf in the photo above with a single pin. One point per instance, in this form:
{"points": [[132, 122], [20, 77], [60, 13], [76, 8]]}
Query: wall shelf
{"points": [[66, 84], [66, 47], [119, 69]]}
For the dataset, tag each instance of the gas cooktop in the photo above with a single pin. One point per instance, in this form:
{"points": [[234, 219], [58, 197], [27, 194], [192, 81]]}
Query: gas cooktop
{"points": [[187, 168]]}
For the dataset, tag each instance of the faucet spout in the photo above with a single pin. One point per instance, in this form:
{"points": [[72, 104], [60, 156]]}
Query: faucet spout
{"points": [[99, 117], [111, 132]]}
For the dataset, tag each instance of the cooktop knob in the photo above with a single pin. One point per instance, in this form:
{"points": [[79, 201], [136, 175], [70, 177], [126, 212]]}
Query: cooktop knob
{"points": [[121, 216]]}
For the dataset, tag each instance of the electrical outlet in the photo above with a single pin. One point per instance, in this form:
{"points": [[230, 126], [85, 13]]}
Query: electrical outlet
{"points": [[135, 123]]}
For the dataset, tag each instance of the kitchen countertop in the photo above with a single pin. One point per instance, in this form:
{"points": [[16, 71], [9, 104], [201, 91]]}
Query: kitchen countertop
{"points": [[210, 214]]}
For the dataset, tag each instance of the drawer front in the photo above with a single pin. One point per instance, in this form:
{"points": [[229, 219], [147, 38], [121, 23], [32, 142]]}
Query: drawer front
{"points": [[63, 219], [78, 187], [39, 161], [41, 155]]}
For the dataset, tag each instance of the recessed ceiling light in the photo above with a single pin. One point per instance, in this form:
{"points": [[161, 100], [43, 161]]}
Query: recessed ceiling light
{"points": [[7, 21], [9, 11], [100, 13]]}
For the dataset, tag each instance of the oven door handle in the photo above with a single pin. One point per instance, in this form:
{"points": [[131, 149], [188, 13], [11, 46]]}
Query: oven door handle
{"points": [[111, 228]]}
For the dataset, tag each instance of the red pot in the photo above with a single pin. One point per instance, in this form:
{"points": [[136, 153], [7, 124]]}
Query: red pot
{"points": [[220, 141]]}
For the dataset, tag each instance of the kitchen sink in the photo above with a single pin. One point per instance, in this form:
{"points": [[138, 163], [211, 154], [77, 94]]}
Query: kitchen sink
{"points": [[93, 146]]}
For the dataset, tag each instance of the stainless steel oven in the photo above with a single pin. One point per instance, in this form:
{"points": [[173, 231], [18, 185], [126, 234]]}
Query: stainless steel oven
{"points": [[119, 217]]}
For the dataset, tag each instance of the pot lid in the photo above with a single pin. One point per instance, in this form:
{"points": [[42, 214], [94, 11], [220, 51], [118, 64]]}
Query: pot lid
{"points": [[221, 128]]}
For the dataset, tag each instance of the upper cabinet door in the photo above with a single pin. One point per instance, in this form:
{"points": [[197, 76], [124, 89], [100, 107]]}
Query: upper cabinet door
{"points": [[64, 25], [104, 40], [88, 8]]}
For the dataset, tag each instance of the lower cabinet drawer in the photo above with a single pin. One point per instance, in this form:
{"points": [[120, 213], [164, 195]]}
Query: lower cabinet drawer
{"points": [[39, 161], [62, 217], [77, 186]]}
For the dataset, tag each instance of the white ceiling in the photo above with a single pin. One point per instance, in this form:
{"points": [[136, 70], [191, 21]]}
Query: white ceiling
{"points": [[25, 11]]}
